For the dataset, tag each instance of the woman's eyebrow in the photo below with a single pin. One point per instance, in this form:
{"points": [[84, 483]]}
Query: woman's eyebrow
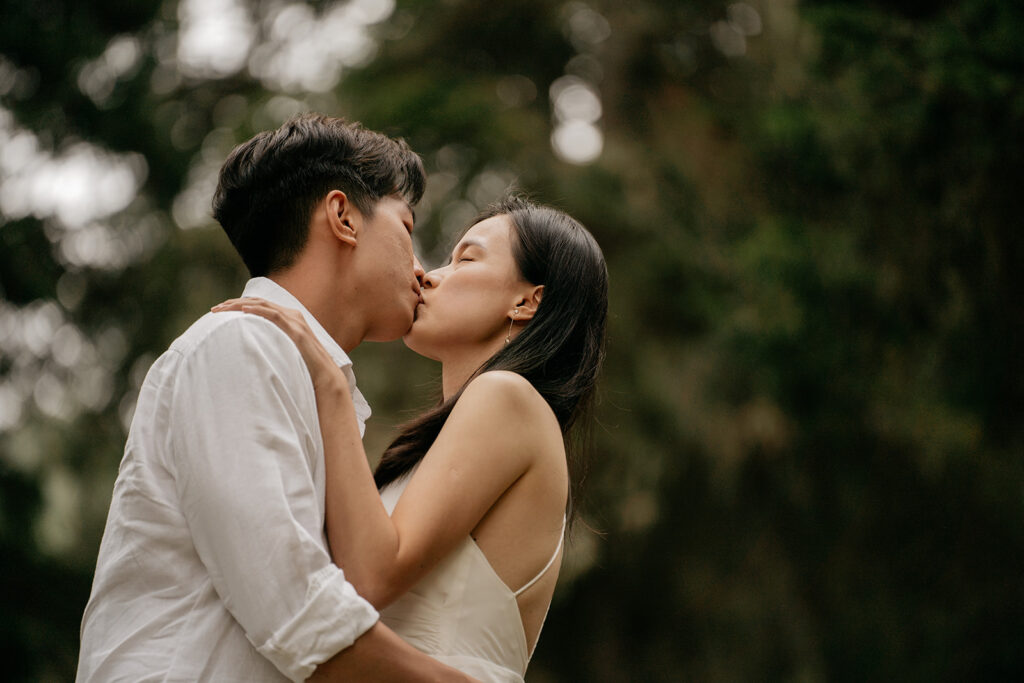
{"points": [[466, 244]]}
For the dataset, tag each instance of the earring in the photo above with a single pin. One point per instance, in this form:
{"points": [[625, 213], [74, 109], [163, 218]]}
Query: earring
{"points": [[508, 337]]}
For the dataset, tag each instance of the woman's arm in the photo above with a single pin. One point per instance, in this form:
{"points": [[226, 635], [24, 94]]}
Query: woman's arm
{"points": [[486, 445], [492, 437]]}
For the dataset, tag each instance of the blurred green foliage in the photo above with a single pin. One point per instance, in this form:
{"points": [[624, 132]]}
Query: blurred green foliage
{"points": [[807, 460]]}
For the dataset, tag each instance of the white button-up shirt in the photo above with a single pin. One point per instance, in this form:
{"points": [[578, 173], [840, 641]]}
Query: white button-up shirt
{"points": [[213, 564]]}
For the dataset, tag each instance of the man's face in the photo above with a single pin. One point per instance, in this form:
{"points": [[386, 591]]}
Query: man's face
{"points": [[389, 271]]}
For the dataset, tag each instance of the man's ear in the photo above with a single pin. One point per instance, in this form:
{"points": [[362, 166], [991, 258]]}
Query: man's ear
{"points": [[528, 304], [343, 218]]}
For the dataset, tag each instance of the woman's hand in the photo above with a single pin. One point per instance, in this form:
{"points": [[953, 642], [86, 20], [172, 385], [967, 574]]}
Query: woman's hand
{"points": [[322, 368]]}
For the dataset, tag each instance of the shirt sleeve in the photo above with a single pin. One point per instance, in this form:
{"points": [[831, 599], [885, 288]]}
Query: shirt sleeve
{"points": [[244, 443]]}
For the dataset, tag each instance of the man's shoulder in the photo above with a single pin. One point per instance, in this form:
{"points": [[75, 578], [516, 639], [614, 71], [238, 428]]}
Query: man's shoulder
{"points": [[229, 330], [229, 351]]}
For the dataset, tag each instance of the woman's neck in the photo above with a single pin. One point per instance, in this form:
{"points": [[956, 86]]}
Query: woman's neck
{"points": [[456, 370]]}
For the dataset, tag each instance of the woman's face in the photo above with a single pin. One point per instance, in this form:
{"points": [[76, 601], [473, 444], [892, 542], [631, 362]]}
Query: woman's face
{"points": [[467, 305]]}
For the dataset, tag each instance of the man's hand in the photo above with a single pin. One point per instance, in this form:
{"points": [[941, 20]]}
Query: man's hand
{"points": [[380, 655]]}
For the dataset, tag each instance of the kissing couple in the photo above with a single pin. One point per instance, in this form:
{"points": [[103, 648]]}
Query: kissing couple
{"points": [[249, 540]]}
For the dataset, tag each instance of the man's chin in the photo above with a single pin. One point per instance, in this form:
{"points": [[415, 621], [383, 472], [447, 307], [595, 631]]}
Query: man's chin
{"points": [[408, 320], [391, 332], [412, 323]]}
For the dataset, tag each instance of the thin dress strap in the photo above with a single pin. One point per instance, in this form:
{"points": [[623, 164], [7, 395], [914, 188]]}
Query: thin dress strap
{"points": [[544, 571]]}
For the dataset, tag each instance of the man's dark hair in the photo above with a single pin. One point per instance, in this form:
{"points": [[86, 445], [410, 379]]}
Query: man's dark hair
{"points": [[270, 184]]}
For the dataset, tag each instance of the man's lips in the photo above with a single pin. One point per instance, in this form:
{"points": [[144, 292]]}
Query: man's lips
{"points": [[417, 309], [419, 302]]}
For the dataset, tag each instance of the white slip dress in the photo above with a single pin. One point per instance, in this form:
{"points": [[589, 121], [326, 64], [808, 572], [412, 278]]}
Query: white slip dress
{"points": [[462, 613]]}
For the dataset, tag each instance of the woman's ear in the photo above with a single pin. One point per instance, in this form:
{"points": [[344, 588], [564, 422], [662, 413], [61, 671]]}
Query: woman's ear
{"points": [[528, 304], [342, 217]]}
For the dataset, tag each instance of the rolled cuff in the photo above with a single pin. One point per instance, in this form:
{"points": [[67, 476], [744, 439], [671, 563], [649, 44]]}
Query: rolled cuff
{"points": [[333, 617]]}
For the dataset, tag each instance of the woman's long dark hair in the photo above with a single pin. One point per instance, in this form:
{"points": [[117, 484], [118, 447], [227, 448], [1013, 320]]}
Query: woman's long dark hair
{"points": [[559, 351]]}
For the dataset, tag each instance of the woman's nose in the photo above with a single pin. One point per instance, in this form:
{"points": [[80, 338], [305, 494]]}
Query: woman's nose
{"points": [[431, 279]]}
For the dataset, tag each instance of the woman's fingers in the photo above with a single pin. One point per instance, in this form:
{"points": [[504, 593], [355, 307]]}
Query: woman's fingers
{"points": [[234, 304], [293, 324], [260, 306], [289, 320]]}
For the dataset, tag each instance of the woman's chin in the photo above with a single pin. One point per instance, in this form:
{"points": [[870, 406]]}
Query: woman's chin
{"points": [[415, 344]]}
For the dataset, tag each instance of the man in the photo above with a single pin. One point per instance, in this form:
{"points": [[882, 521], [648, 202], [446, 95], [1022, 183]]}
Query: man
{"points": [[213, 565]]}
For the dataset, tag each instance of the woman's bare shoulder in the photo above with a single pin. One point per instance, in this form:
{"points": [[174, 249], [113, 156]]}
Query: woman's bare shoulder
{"points": [[509, 390], [504, 402], [509, 420]]}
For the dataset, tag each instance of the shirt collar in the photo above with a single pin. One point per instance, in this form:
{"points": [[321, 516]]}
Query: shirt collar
{"points": [[265, 288]]}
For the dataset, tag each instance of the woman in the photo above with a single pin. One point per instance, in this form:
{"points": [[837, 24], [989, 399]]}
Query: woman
{"points": [[460, 546]]}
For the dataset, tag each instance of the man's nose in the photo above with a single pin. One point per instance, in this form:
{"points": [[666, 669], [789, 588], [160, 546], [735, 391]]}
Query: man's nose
{"points": [[417, 269]]}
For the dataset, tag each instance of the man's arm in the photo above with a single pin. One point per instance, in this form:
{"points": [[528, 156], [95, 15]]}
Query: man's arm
{"points": [[380, 655]]}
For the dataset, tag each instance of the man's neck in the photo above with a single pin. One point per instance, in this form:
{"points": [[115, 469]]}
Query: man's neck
{"points": [[339, 318]]}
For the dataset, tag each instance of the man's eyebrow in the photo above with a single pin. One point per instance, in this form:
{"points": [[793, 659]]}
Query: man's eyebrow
{"points": [[412, 211]]}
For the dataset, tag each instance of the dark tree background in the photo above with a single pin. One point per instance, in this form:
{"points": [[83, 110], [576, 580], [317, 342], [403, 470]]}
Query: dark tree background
{"points": [[807, 463]]}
